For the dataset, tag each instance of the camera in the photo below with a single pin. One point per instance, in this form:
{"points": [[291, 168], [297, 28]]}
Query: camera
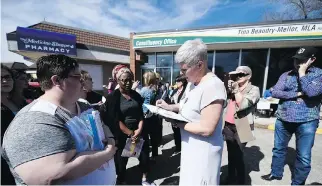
{"points": [[233, 77]]}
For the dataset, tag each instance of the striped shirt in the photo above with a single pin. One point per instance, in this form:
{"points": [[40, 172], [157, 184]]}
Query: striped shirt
{"points": [[299, 109]]}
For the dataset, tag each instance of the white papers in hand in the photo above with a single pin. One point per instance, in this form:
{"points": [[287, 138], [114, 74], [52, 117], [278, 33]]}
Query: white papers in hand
{"points": [[165, 113]]}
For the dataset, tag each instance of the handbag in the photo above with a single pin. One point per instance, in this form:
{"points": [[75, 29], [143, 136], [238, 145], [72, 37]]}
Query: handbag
{"points": [[228, 134], [243, 129]]}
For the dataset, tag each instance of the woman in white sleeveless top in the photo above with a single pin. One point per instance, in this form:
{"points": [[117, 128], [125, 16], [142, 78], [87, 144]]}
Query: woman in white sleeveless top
{"points": [[202, 140]]}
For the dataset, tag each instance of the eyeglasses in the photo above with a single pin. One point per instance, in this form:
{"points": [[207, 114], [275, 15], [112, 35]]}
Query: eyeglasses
{"points": [[184, 70], [76, 76], [6, 77], [126, 80]]}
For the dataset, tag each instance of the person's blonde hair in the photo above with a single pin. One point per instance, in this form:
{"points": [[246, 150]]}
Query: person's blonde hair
{"points": [[149, 78], [85, 75], [158, 76]]}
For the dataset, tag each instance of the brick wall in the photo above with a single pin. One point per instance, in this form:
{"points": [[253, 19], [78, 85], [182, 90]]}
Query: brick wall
{"points": [[87, 37], [133, 65]]}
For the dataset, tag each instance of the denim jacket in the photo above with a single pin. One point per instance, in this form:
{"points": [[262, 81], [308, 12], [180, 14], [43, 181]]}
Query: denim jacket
{"points": [[148, 95]]}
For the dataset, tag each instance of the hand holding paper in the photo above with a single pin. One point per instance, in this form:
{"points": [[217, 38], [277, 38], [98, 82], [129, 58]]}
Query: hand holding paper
{"points": [[162, 104], [165, 113]]}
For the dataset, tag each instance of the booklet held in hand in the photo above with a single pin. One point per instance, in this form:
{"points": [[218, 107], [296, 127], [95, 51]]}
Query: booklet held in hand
{"points": [[166, 113]]}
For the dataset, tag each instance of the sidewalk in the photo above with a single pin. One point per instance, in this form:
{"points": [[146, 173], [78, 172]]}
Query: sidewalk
{"points": [[269, 123]]}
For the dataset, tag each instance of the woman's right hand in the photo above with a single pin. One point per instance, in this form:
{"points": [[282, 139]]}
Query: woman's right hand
{"points": [[110, 149], [162, 104]]}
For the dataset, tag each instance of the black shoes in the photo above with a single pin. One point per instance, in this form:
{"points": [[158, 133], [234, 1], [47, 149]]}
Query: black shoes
{"points": [[270, 177]]}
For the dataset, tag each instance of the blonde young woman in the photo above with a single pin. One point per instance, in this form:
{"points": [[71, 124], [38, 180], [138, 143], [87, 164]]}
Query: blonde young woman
{"points": [[151, 121]]}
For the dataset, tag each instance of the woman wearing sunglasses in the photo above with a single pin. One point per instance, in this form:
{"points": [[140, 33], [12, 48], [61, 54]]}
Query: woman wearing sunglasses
{"points": [[242, 100]]}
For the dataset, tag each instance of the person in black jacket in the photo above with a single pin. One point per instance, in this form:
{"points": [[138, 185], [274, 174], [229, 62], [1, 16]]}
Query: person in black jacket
{"points": [[176, 96], [123, 113], [8, 111]]}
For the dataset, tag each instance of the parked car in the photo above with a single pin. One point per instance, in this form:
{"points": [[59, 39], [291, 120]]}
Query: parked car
{"points": [[33, 92]]}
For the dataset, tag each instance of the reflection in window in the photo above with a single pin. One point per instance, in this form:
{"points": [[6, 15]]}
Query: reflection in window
{"points": [[151, 59], [176, 73], [210, 60], [318, 62], [164, 59], [165, 73], [256, 60], [226, 61], [280, 62]]}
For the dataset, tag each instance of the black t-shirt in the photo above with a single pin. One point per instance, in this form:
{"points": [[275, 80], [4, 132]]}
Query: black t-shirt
{"points": [[6, 117], [93, 97], [131, 112]]}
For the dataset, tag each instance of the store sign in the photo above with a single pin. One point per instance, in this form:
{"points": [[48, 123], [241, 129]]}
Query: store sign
{"points": [[232, 35], [47, 42]]}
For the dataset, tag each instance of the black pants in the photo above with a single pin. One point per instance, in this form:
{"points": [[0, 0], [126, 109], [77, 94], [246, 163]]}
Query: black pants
{"points": [[236, 165], [152, 128], [160, 128], [121, 162], [177, 138], [6, 176]]}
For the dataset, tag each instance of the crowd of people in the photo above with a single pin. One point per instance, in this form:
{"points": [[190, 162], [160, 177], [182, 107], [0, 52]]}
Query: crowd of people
{"points": [[38, 148]]}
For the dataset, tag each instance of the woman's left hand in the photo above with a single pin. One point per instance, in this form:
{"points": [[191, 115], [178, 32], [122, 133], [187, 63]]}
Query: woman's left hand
{"points": [[135, 85], [136, 135]]}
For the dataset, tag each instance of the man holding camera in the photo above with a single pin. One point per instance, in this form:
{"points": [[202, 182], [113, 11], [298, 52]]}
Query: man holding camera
{"points": [[300, 94]]}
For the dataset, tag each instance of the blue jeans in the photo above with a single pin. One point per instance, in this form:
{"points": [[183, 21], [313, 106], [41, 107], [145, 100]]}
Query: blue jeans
{"points": [[305, 134]]}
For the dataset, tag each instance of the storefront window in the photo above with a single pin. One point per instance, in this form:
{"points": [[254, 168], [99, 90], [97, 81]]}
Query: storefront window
{"points": [[280, 62], [164, 59], [210, 60], [176, 73], [256, 60], [151, 59], [318, 62], [226, 61], [165, 73]]}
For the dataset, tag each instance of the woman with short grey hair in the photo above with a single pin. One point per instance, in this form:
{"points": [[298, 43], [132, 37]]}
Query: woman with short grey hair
{"points": [[202, 106]]}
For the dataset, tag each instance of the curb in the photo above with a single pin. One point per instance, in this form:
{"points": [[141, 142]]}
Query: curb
{"points": [[272, 127]]}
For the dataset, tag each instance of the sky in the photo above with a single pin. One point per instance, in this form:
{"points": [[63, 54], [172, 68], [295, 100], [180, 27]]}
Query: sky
{"points": [[120, 17]]}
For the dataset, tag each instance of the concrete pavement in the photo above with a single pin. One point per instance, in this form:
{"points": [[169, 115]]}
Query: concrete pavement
{"points": [[258, 157]]}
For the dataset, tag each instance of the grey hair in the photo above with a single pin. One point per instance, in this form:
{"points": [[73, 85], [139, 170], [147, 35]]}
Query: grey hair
{"points": [[191, 52]]}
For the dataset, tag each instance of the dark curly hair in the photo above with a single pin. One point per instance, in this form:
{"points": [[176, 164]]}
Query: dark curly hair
{"points": [[48, 66]]}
